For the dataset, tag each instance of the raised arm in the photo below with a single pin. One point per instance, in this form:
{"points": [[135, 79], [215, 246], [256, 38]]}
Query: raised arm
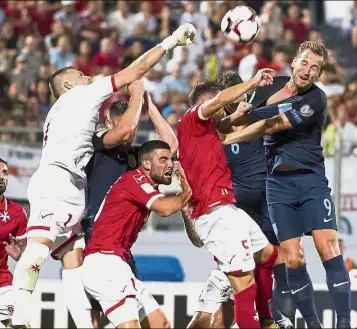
{"points": [[163, 129], [183, 36], [168, 205], [125, 131], [229, 95]]}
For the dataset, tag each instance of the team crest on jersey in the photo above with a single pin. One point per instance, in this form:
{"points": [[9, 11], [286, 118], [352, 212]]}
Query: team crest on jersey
{"points": [[10, 309], [4, 217], [140, 178], [306, 111]]}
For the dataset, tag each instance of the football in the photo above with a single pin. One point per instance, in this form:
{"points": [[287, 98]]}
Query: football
{"points": [[241, 24]]}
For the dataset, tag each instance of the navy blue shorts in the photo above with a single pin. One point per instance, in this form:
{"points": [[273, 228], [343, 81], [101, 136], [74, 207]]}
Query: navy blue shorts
{"points": [[255, 205], [299, 203]]}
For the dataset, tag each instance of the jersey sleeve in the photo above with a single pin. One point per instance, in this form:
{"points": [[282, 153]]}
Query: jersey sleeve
{"points": [[142, 192], [195, 122], [98, 139], [21, 221]]}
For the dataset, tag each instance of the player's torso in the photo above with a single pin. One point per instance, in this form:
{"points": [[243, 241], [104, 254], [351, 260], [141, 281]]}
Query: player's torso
{"points": [[119, 221], [203, 160], [68, 133], [298, 148], [8, 225], [248, 167]]}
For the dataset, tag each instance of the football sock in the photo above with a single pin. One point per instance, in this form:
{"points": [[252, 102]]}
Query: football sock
{"points": [[303, 294], [339, 286], [76, 298], [245, 313]]}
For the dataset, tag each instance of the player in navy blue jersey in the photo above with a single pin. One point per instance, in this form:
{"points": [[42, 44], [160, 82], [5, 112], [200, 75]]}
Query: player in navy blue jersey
{"points": [[113, 156], [248, 171], [291, 113]]}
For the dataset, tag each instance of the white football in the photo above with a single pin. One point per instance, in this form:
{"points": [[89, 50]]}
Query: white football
{"points": [[241, 24]]}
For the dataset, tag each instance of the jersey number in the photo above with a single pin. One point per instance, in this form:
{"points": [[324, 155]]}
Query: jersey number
{"points": [[327, 204], [235, 148]]}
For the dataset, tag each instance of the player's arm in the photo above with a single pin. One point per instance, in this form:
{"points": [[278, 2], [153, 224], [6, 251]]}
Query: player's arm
{"points": [[125, 131], [183, 36], [189, 227], [163, 129], [168, 205], [229, 95]]}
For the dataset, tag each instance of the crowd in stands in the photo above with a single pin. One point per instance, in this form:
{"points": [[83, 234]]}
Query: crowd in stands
{"points": [[101, 37]]}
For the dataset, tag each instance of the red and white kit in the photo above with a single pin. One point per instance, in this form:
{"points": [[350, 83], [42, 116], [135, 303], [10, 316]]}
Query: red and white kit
{"points": [[226, 231], [56, 191], [123, 212], [13, 220]]}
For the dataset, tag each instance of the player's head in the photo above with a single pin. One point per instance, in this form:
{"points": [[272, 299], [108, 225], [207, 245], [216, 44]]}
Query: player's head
{"points": [[65, 79], [204, 91], [3, 176], [156, 159], [308, 64], [230, 79]]}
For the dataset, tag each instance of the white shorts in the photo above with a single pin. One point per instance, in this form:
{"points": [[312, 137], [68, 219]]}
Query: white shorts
{"points": [[216, 290], [7, 299], [110, 281], [57, 202], [232, 237]]}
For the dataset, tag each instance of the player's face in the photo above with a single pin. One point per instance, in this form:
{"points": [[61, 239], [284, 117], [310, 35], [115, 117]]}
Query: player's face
{"points": [[306, 69], [76, 78], [3, 177], [162, 167], [231, 108]]}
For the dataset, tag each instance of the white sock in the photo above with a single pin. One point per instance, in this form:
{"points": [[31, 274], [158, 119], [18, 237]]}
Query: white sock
{"points": [[76, 297], [25, 279]]}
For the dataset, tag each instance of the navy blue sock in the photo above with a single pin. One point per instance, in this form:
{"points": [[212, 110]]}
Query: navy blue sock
{"points": [[282, 303], [303, 294], [339, 285]]}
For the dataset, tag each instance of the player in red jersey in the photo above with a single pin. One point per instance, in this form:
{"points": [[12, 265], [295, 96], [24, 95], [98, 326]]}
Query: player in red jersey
{"points": [[107, 276], [227, 232], [13, 222]]}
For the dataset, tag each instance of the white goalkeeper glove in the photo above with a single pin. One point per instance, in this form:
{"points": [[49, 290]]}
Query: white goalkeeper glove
{"points": [[183, 36]]}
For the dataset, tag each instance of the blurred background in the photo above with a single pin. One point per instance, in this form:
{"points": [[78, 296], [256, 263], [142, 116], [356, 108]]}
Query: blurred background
{"points": [[101, 37]]}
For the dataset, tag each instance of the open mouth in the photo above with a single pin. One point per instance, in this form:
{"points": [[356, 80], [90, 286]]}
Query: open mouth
{"points": [[303, 78], [168, 174]]}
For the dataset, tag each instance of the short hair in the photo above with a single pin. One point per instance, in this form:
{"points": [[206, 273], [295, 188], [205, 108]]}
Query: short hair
{"points": [[117, 109], [202, 89], [317, 48], [229, 79], [3, 161], [54, 80], [147, 148]]}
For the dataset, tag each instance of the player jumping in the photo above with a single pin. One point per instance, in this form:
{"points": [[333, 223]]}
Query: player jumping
{"points": [[13, 222], [56, 191], [299, 200], [226, 231], [124, 211]]}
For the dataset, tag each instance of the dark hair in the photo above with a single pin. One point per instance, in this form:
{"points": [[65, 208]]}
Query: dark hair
{"points": [[3, 161], [54, 78], [202, 89], [117, 109], [147, 148], [229, 79]]}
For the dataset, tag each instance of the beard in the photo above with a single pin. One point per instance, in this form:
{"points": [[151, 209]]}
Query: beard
{"points": [[164, 180], [2, 189]]}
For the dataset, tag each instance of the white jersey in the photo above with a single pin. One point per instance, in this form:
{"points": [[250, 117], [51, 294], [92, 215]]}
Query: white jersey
{"points": [[70, 126]]}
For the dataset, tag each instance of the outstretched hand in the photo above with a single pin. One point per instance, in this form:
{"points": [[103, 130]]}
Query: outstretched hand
{"points": [[13, 248], [263, 77]]}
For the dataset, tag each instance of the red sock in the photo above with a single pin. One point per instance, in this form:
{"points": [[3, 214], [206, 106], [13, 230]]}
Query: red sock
{"points": [[245, 314], [264, 278]]}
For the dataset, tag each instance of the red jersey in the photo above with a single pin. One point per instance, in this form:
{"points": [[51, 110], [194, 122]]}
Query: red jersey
{"points": [[13, 219], [202, 157], [124, 211]]}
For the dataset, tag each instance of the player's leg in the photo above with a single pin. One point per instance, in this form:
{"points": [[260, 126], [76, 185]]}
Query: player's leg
{"points": [[7, 301], [223, 317], [283, 203], [200, 320], [114, 289], [319, 212]]}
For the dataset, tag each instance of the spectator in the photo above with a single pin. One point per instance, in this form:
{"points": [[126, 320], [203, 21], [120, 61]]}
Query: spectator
{"points": [[22, 76], [172, 120], [271, 18], [177, 107], [293, 22], [40, 102], [10, 37], [83, 58], [5, 57], [62, 55], [33, 55], [57, 30], [42, 17], [68, 16], [105, 57], [175, 82], [145, 17], [153, 84]]}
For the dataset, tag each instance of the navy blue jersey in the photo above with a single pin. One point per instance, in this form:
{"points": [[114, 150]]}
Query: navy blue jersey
{"points": [[104, 168], [299, 147], [248, 169]]}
